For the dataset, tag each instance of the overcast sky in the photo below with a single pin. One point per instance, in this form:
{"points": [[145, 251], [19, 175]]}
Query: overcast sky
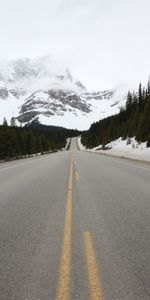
{"points": [[104, 42]]}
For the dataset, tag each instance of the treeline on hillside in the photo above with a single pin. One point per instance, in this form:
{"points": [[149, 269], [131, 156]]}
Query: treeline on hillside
{"points": [[16, 142], [133, 120]]}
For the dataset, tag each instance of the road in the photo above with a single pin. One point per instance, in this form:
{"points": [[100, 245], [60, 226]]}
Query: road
{"points": [[74, 225]]}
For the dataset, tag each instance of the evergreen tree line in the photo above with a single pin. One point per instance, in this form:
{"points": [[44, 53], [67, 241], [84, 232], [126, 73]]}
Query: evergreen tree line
{"points": [[17, 142], [133, 120]]}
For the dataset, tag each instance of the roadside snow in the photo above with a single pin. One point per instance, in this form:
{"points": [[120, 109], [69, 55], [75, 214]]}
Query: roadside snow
{"points": [[80, 146], [67, 144], [128, 144], [128, 148]]}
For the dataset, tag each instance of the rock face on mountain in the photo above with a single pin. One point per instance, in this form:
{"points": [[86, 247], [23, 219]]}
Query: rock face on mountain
{"points": [[3, 93], [38, 89], [50, 103]]}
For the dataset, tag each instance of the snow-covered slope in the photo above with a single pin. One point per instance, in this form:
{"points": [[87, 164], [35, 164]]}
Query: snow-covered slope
{"points": [[124, 148], [39, 89]]}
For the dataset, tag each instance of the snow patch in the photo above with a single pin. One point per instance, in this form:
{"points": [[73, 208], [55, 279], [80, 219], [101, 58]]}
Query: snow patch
{"points": [[128, 148], [80, 145]]}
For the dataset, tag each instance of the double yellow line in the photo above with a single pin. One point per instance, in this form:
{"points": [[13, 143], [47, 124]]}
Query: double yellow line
{"points": [[63, 291]]}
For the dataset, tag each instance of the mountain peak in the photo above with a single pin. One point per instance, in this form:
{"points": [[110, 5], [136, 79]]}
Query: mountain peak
{"points": [[40, 88]]}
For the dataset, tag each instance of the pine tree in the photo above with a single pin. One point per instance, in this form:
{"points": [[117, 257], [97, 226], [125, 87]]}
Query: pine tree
{"points": [[148, 88], [129, 102], [5, 122], [140, 99]]}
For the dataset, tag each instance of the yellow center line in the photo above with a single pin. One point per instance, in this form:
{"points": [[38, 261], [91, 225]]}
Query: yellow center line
{"points": [[93, 278], [63, 291], [77, 175], [71, 175]]}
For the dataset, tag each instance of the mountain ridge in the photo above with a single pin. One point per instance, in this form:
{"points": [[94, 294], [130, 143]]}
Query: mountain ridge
{"points": [[39, 88]]}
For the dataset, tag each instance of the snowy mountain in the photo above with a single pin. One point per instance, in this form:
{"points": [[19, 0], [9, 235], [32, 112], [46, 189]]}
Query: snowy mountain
{"points": [[39, 89]]}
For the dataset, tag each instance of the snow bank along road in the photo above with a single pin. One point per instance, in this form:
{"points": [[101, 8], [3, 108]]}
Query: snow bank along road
{"points": [[74, 225]]}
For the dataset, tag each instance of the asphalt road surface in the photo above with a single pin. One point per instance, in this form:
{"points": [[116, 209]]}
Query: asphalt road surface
{"points": [[74, 225]]}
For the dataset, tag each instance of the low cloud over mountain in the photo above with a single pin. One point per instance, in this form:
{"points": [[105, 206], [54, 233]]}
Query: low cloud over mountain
{"points": [[40, 89]]}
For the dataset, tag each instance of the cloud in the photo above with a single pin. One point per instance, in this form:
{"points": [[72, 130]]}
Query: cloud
{"points": [[103, 41]]}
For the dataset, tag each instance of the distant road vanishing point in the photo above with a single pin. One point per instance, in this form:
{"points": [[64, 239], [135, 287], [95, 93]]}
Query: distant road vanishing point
{"points": [[74, 226]]}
